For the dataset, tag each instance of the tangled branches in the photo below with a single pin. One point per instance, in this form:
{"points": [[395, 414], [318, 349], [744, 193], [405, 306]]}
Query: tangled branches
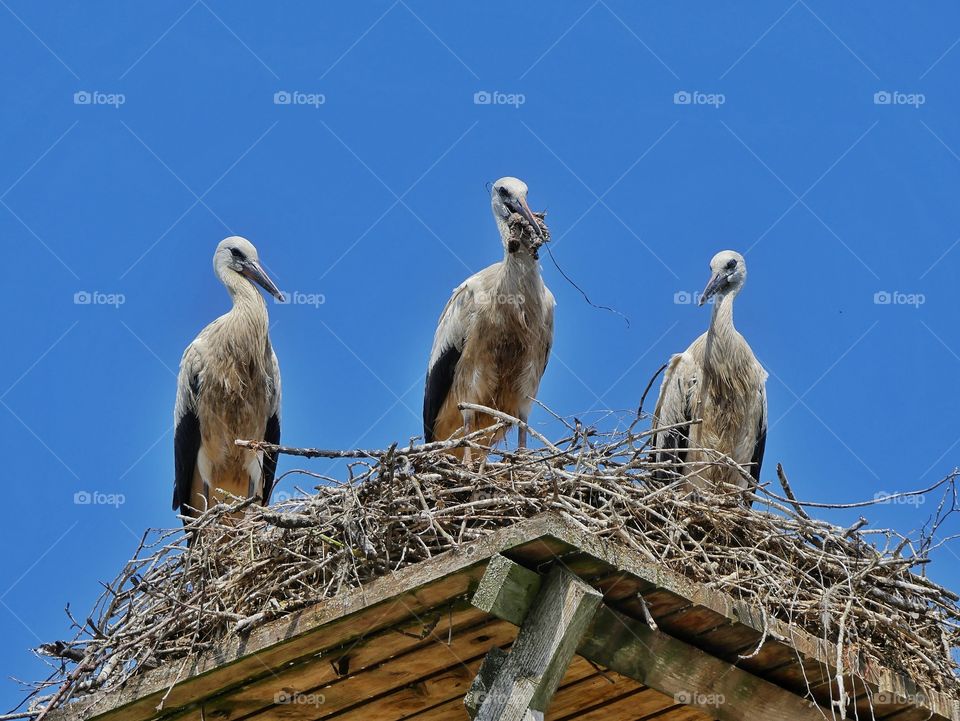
{"points": [[400, 506]]}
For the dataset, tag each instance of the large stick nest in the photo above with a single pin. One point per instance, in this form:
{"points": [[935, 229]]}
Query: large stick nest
{"points": [[403, 505]]}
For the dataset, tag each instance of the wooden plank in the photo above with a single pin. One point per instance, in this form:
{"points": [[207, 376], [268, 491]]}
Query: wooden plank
{"points": [[548, 638], [589, 692], [677, 713], [437, 698], [400, 671], [337, 663], [453, 708], [637, 703]]}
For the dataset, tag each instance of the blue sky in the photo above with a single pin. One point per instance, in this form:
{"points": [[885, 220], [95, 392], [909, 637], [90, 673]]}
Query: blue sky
{"points": [[136, 136]]}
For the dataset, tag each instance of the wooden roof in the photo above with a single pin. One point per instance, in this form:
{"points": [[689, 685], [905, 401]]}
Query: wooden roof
{"points": [[409, 645]]}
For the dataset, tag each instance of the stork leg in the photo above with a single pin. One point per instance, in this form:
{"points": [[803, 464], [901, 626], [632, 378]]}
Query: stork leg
{"points": [[522, 432], [467, 428]]}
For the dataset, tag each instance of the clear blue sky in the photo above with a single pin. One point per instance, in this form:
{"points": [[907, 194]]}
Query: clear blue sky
{"points": [[374, 199]]}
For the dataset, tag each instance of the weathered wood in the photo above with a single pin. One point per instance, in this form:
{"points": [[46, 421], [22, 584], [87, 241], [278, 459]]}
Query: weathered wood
{"points": [[668, 665], [453, 708], [506, 589], [492, 663], [409, 669], [348, 660], [548, 638]]}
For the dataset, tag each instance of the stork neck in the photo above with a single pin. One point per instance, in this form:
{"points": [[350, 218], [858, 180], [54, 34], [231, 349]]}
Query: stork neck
{"points": [[249, 306], [721, 334]]}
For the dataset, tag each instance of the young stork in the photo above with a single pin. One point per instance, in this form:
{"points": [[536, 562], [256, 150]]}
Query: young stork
{"points": [[718, 380], [228, 388], [494, 336]]}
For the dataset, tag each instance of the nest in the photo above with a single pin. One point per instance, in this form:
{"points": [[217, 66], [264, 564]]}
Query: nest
{"points": [[522, 233], [403, 505]]}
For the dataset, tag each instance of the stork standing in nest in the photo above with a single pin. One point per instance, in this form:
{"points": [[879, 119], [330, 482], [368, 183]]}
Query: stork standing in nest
{"points": [[494, 336], [228, 389], [718, 380]]}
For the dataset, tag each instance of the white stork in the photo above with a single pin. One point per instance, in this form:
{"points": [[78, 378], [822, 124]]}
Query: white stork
{"points": [[228, 388], [718, 380], [495, 333]]}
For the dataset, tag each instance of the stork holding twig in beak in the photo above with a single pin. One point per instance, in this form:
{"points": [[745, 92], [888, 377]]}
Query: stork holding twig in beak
{"points": [[494, 336], [719, 381], [228, 389]]}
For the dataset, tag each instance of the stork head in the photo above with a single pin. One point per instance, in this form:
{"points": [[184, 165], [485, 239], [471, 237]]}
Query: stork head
{"points": [[508, 196], [237, 256], [728, 271]]}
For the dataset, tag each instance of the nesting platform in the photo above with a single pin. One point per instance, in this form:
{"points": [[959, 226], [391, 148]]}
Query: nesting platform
{"points": [[586, 629], [616, 638]]}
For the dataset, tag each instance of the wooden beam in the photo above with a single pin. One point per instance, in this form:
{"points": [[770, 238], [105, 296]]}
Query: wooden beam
{"points": [[664, 663], [519, 686], [506, 589]]}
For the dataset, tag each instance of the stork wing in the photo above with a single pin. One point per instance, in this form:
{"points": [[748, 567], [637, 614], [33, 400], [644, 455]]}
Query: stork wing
{"points": [[447, 348], [550, 303], [675, 405], [757, 460], [187, 438], [272, 434]]}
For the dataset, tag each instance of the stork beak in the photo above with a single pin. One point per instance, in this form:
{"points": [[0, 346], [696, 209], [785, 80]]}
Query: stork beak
{"points": [[716, 284], [253, 271], [525, 211]]}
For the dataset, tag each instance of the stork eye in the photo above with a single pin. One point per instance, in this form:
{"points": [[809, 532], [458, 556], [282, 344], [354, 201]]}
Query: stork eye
{"points": [[238, 254], [504, 193], [731, 264]]}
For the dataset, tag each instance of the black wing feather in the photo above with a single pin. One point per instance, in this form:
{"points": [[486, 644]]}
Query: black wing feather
{"points": [[186, 446], [675, 443], [439, 382], [272, 435]]}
